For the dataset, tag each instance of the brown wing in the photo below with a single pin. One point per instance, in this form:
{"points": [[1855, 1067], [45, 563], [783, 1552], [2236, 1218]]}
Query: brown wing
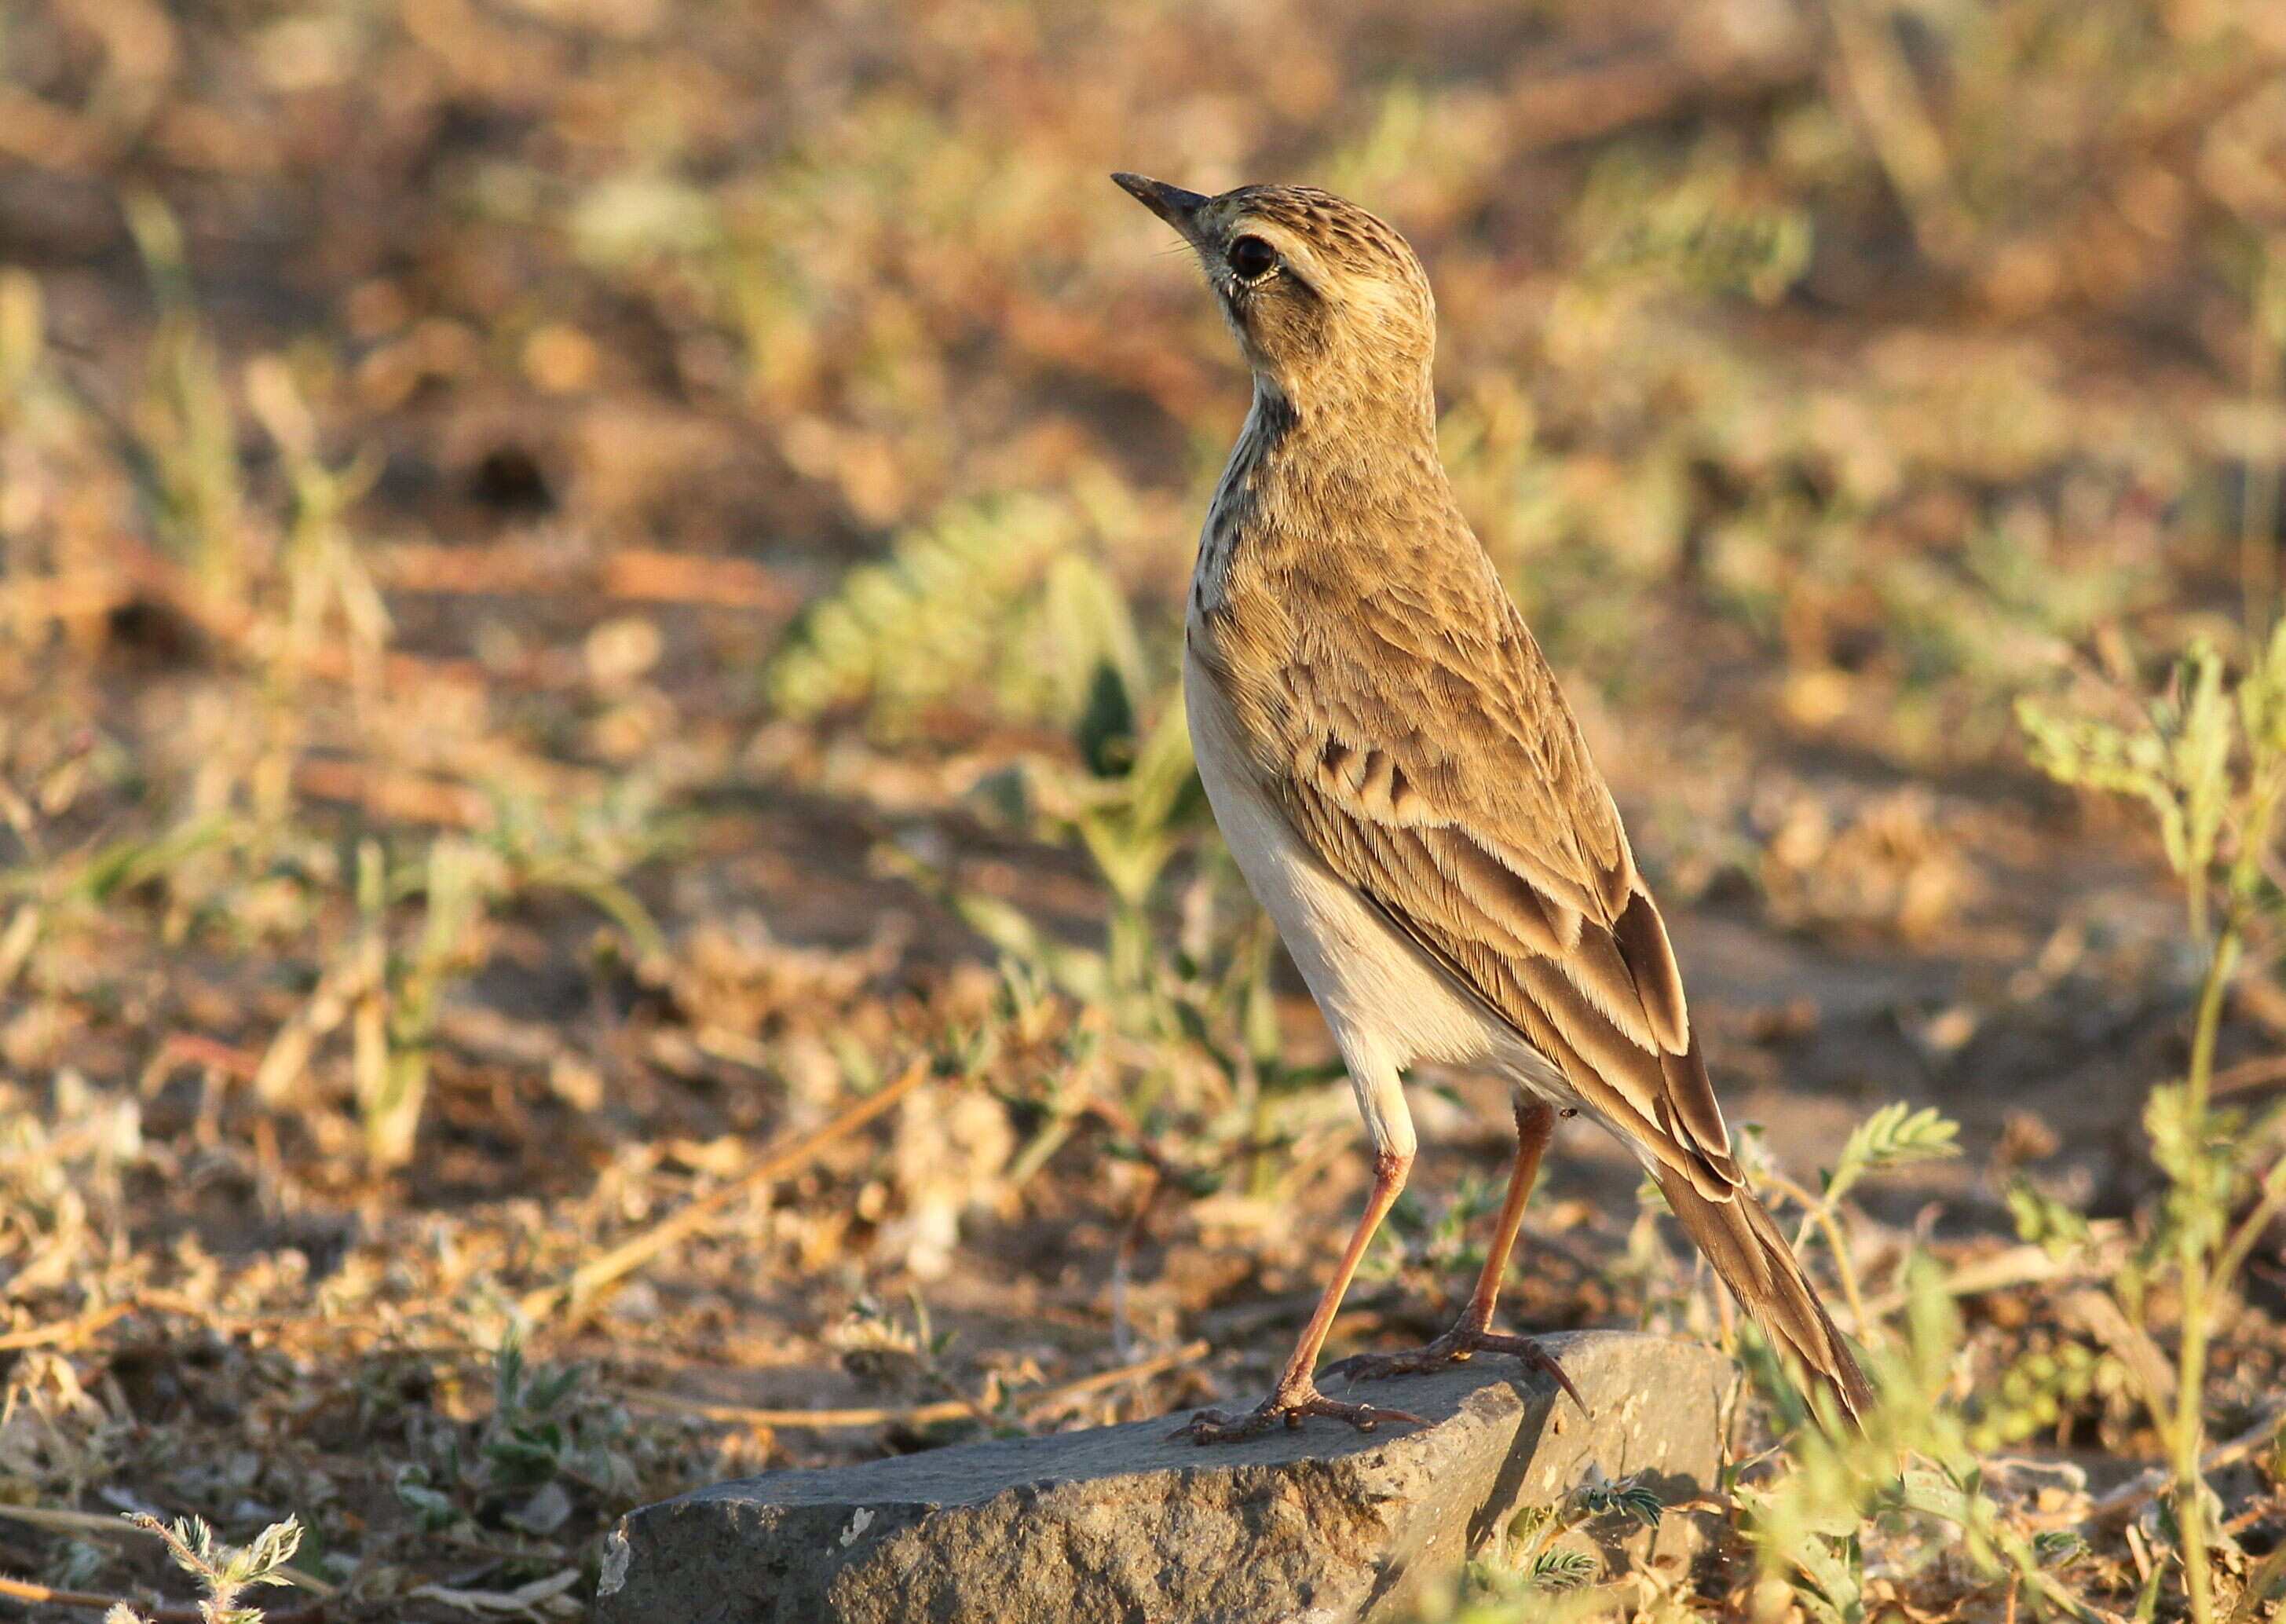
{"points": [[1454, 789]]}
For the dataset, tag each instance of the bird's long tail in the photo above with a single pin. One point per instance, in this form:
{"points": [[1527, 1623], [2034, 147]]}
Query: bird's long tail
{"points": [[1747, 1251]]}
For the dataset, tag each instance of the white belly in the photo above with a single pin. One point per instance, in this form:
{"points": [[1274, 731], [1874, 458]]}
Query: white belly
{"points": [[1388, 1003]]}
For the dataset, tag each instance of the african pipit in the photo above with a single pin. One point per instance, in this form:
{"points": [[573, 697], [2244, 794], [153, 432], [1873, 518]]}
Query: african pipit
{"points": [[1408, 794]]}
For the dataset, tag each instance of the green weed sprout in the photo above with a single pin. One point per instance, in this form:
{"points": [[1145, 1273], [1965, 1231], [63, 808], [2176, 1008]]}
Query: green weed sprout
{"points": [[2206, 753], [1808, 1523], [225, 1570]]}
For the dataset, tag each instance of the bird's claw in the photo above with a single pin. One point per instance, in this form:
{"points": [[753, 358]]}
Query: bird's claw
{"points": [[1221, 1427], [1454, 1347]]}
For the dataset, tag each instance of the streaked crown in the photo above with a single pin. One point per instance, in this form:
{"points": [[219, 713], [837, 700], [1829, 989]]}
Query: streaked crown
{"points": [[1324, 297]]}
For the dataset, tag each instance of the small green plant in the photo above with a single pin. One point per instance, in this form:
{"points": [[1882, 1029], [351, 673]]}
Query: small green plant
{"points": [[395, 1015], [1002, 595], [187, 427], [2042, 1220], [548, 1439], [226, 1571], [1812, 1522], [1530, 1562], [2040, 1387], [326, 585], [1629, 1497], [1645, 221], [2206, 753], [1563, 1569]]}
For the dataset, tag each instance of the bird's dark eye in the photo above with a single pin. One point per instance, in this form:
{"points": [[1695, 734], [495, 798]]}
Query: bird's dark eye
{"points": [[1252, 259]]}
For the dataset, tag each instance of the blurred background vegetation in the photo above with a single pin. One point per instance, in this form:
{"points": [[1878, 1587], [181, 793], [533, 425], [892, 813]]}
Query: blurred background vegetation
{"points": [[586, 586]]}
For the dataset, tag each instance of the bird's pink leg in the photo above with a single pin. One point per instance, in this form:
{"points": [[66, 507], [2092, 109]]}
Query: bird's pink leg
{"points": [[1296, 1394], [1535, 1125], [1472, 1333]]}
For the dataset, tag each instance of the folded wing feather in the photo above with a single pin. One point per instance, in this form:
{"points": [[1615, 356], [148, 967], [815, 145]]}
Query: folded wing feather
{"points": [[1489, 839]]}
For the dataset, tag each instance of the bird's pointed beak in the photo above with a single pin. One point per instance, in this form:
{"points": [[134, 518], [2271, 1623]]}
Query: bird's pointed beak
{"points": [[1171, 204]]}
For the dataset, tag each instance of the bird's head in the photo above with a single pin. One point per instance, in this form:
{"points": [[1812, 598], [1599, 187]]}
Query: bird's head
{"points": [[1329, 304]]}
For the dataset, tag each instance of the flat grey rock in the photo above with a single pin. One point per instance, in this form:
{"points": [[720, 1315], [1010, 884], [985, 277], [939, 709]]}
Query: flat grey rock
{"points": [[1124, 1526]]}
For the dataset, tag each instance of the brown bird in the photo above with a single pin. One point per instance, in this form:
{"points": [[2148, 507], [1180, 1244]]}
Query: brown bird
{"points": [[1407, 792]]}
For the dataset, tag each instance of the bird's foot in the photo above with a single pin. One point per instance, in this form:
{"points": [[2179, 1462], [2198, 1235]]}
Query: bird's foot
{"points": [[1288, 1405], [1457, 1346]]}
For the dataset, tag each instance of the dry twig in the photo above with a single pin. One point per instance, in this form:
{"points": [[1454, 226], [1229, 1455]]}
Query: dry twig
{"points": [[25, 1590], [2120, 1505], [632, 1254]]}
